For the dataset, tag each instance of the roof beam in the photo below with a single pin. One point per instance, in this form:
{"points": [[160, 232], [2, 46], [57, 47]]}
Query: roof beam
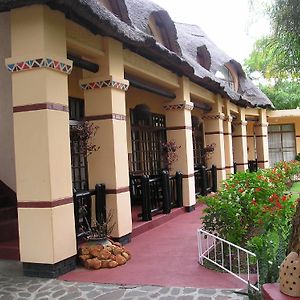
{"points": [[147, 70], [200, 93]]}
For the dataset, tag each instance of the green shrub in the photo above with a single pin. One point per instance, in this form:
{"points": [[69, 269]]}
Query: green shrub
{"points": [[253, 210]]}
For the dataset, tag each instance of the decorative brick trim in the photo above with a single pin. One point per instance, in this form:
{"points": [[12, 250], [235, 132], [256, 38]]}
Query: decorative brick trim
{"points": [[99, 84], [49, 270], [40, 106], [214, 132], [113, 116], [126, 239], [240, 123], [179, 106], [117, 191], [189, 209], [45, 204], [188, 175], [219, 116], [48, 63], [180, 128], [261, 124]]}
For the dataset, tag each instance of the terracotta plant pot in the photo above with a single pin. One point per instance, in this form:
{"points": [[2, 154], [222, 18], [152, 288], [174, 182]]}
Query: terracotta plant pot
{"points": [[290, 275]]}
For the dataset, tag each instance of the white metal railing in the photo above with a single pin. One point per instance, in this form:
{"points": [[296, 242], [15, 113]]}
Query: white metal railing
{"points": [[236, 260]]}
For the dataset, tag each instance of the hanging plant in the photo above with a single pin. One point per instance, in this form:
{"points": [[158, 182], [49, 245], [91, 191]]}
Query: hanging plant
{"points": [[207, 152], [83, 133], [169, 151]]}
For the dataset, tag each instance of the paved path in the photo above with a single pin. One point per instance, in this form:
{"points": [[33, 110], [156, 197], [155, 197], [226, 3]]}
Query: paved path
{"points": [[15, 286], [167, 256]]}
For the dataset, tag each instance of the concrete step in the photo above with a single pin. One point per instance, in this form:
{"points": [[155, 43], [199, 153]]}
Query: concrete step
{"points": [[10, 250], [9, 230]]}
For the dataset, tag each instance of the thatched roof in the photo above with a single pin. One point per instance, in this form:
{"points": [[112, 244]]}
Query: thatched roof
{"points": [[132, 31]]}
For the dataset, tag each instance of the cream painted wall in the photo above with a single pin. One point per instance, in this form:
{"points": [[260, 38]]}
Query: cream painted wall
{"points": [[289, 120], [7, 156]]}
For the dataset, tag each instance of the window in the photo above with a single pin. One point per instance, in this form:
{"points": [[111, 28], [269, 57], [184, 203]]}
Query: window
{"points": [[203, 57], [78, 158], [198, 140], [282, 145], [225, 75], [148, 132]]}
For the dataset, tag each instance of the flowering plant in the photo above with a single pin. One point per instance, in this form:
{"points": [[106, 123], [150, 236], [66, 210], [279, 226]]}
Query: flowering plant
{"points": [[169, 151], [254, 210], [83, 133], [207, 152]]}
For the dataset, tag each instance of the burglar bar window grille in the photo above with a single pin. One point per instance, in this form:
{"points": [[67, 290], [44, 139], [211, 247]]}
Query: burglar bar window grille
{"points": [[78, 157], [198, 140], [148, 132]]}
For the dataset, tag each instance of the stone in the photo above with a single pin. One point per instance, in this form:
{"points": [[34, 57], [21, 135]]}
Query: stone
{"points": [[112, 264], [104, 254], [121, 260]]}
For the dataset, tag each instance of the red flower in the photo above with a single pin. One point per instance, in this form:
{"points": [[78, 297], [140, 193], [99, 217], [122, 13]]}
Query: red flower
{"points": [[278, 204], [253, 202], [257, 190], [284, 198], [241, 190]]}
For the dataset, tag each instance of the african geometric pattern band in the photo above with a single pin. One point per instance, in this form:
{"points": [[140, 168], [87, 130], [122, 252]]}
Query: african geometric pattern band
{"points": [[103, 84], [35, 63]]}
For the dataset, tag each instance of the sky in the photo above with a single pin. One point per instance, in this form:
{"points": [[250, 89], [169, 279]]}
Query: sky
{"points": [[229, 23]]}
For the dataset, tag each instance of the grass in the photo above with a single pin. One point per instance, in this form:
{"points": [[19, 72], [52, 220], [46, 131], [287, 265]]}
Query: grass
{"points": [[295, 190]]}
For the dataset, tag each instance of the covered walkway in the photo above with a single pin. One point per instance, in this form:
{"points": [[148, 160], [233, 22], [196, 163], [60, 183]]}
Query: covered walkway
{"points": [[166, 256]]}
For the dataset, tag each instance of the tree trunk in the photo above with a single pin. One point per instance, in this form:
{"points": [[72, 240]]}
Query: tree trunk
{"points": [[294, 243]]}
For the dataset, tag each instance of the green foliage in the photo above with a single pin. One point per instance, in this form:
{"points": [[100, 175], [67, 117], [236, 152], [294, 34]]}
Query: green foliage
{"points": [[286, 25], [254, 211], [284, 94]]}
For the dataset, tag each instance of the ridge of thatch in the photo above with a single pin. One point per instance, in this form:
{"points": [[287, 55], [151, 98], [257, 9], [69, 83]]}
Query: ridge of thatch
{"points": [[132, 31]]}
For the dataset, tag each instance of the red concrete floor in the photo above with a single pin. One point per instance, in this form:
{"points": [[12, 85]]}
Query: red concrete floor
{"points": [[166, 255]]}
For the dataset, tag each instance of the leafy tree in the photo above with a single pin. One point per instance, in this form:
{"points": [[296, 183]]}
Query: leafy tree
{"points": [[284, 94]]}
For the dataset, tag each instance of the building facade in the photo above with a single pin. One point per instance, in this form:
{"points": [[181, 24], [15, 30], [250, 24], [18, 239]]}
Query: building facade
{"points": [[144, 80]]}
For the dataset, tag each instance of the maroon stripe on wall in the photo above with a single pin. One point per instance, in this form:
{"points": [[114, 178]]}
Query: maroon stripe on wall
{"points": [[180, 127], [297, 136], [227, 133], [239, 136], [40, 106], [242, 164], [214, 132], [106, 117], [264, 135], [188, 175], [262, 161], [229, 167], [45, 204], [117, 191]]}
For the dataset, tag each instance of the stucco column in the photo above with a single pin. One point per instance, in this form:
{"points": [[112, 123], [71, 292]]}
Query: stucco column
{"points": [[239, 138], [104, 95], [227, 127], [42, 145], [179, 129], [251, 141], [214, 134], [261, 135]]}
